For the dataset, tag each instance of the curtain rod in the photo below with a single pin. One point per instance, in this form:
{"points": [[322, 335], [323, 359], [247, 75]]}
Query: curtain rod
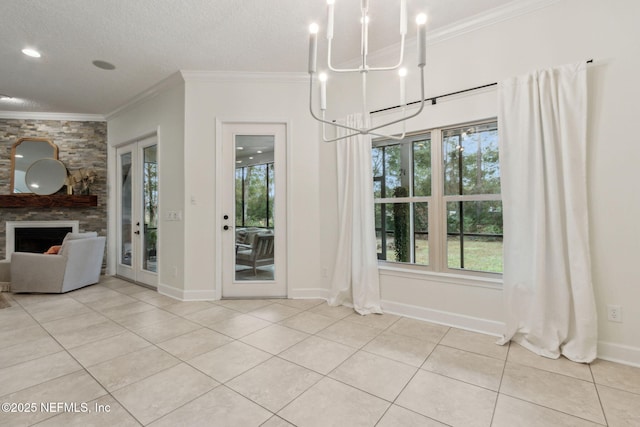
{"points": [[435, 98]]}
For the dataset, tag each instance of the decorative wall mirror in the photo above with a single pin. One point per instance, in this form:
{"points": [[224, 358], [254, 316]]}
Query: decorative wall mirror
{"points": [[24, 153]]}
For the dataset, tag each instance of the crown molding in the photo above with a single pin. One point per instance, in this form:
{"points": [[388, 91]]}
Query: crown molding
{"points": [[485, 19], [243, 77], [70, 117], [491, 17], [171, 81]]}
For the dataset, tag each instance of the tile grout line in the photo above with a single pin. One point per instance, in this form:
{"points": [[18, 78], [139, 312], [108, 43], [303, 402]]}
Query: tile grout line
{"points": [[83, 368], [595, 385], [504, 368]]}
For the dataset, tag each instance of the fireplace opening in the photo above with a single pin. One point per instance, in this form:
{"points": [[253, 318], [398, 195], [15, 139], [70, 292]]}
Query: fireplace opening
{"points": [[38, 239]]}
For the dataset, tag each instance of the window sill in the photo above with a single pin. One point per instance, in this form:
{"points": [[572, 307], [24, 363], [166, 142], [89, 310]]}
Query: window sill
{"points": [[448, 278]]}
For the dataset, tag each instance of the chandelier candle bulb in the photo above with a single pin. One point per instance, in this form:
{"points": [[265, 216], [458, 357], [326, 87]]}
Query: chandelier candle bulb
{"points": [[403, 17], [323, 91], [330, 3], [402, 72], [421, 20], [313, 47], [365, 38]]}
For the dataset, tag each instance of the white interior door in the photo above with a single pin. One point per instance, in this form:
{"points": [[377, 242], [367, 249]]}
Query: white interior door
{"points": [[137, 211], [254, 210]]}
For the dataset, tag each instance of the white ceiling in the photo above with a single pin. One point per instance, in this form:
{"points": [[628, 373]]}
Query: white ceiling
{"points": [[148, 40]]}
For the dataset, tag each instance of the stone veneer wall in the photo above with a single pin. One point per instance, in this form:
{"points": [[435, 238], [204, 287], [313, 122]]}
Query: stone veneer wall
{"points": [[80, 145]]}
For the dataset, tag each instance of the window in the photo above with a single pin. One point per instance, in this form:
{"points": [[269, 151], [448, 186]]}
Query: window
{"points": [[255, 195], [437, 199]]}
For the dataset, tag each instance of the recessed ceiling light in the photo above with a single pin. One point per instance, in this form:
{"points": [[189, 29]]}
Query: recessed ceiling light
{"points": [[250, 158], [239, 148], [8, 99], [238, 161], [259, 152], [104, 65], [31, 52]]}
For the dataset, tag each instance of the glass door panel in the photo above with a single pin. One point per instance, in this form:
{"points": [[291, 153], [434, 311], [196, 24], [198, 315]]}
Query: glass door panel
{"points": [[255, 196], [126, 201], [253, 220], [150, 208], [137, 222]]}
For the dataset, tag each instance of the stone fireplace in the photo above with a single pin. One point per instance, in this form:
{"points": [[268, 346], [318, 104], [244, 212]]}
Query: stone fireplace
{"points": [[81, 145]]}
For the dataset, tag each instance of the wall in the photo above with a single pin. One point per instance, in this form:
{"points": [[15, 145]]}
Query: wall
{"points": [[565, 31], [250, 97], [159, 110], [80, 145], [185, 115]]}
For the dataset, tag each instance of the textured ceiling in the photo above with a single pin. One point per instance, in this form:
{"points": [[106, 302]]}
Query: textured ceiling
{"points": [[148, 40]]}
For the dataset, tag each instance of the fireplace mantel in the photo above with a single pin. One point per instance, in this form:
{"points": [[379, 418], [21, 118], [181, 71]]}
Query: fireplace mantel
{"points": [[52, 201]]}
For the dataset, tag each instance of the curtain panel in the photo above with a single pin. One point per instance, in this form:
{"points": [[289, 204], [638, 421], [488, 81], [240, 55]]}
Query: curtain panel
{"points": [[355, 280], [549, 300]]}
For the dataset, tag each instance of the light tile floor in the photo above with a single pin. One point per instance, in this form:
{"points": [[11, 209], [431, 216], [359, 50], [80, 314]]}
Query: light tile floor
{"points": [[119, 354]]}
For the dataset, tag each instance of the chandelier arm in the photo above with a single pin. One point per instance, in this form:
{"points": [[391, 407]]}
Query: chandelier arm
{"points": [[364, 50], [331, 67], [395, 138], [340, 137], [353, 70], [412, 115], [324, 132], [313, 114], [395, 67]]}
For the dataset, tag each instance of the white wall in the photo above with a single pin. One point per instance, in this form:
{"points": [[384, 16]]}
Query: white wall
{"points": [[566, 31], [161, 111], [247, 98]]}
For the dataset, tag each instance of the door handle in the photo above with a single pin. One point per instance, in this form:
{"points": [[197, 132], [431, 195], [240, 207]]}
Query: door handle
{"points": [[136, 232]]}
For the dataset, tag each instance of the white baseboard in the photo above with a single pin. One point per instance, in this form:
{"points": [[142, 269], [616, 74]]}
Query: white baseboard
{"points": [[612, 352], [619, 353], [182, 295], [309, 293], [474, 324]]}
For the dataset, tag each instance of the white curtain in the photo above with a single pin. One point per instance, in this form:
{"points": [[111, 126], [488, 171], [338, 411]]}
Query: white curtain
{"points": [[355, 279], [542, 121]]}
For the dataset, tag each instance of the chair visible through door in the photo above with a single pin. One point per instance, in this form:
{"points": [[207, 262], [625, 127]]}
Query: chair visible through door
{"points": [[260, 253]]}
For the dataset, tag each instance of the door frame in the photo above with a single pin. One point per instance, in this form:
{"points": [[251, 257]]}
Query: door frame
{"points": [[137, 150], [219, 196]]}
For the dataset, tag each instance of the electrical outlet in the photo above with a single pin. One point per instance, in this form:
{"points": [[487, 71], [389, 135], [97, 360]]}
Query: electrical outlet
{"points": [[614, 313], [324, 272]]}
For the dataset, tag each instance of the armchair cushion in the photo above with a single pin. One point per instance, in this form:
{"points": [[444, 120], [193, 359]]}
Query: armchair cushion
{"points": [[53, 250]]}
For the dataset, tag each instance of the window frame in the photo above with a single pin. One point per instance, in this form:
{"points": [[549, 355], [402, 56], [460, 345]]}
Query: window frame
{"points": [[268, 188], [437, 207]]}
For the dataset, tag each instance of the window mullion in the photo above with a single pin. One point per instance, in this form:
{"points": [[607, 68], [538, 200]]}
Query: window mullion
{"points": [[437, 220]]}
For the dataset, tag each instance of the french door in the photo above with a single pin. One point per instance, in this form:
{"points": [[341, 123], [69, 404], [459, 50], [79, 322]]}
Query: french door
{"points": [[137, 211], [254, 214]]}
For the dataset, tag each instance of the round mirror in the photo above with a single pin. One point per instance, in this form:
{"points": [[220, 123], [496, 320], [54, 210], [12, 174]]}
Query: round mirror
{"points": [[46, 176], [23, 154]]}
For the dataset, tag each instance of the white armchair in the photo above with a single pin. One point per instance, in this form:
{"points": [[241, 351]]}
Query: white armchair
{"points": [[77, 264]]}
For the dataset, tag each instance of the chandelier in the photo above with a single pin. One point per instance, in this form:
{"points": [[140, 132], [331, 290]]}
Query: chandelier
{"points": [[364, 69]]}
